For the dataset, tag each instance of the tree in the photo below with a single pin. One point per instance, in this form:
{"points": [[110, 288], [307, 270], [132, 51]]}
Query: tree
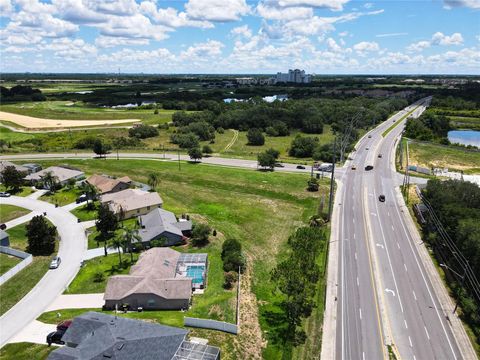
{"points": [[185, 141], [153, 180], [312, 184], [266, 160], [230, 278], [50, 181], [206, 149], [232, 256], [303, 146], [91, 192], [143, 131], [255, 137], [131, 236], [41, 236], [117, 243], [100, 148], [195, 153], [200, 233], [12, 178], [106, 224]]}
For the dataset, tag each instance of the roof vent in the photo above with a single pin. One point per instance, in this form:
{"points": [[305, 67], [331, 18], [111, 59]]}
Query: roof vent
{"points": [[107, 355]]}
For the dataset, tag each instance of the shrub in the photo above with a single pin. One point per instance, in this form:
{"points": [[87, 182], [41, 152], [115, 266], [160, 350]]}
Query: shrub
{"points": [[303, 146], [200, 233], [255, 137], [99, 276], [220, 130], [232, 256], [185, 141], [231, 277], [207, 149], [143, 131]]}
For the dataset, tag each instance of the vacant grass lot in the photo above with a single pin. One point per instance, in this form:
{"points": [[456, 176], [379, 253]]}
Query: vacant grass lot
{"points": [[261, 209], [10, 212], [25, 351], [62, 197], [18, 237], [7, 262], [452, 157], [18, 286]]}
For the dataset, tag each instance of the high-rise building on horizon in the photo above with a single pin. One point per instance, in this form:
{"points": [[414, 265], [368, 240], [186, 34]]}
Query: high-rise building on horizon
{"points": [[295, 76]]}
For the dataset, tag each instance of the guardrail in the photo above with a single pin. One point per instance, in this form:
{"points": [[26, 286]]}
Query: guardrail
{"points": [[27, 259], [211, 324]]}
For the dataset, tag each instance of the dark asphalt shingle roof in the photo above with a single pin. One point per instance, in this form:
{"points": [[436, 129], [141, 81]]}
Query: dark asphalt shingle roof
{"points": [[159, 221]]}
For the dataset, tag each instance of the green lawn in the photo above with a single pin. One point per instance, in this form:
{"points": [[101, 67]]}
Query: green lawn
{"points": [[23, 191], [452, 157], [18, 237], [20, 285], [85, 213], [261, 209], [25, 351], [62, 197], [10, 212], [94, 239], [7, 262]]}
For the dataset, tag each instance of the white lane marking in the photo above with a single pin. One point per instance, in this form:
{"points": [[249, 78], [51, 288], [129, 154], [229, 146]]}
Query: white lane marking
{"points": [[405, 322], [372, 213], [353, 219], [355, 255], [405, 266], [410, 341], [414, 296], [414, 358], [393, 228], [398, 245], [358, 283], [363, 355], [428, 336], [380, 245], [354, 235], [388, 213], [360, 313], [390, 291]]}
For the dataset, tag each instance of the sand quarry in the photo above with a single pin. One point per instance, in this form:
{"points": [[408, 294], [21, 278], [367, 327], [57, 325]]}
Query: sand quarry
{"points": [[29, 122]]}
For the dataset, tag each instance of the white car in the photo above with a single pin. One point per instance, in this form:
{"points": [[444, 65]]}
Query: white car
{"points": [[55, 263], [4, 194]]}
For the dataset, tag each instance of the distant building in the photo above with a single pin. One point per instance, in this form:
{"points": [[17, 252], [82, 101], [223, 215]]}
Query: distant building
{"points": [[33, 168], [133, 202], [63, 175], [4, 164], [94, 336], [246, 81], [105, 184], [293, 76]]}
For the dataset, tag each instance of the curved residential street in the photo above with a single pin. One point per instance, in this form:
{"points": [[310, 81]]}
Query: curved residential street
{"points": [[73, 245]]}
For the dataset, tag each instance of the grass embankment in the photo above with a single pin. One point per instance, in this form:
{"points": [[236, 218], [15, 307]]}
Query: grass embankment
{"points": [[454, 158], [385, 133], [260, 209], [25, 351], [10, 212], [7, 262]]}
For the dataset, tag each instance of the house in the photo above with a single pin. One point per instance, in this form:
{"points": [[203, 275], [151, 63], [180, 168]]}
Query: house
{"points": [[133, 202], [4, 239], [105, 184], [63, 175], [96, 336], [4, 164], [33, 168], [161, 279], [162, 224]]}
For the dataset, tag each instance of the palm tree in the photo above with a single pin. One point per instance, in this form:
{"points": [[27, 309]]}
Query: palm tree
{"points": [[90, 190], [131, 235], [153, 180], [50, 181], [117, 243]]}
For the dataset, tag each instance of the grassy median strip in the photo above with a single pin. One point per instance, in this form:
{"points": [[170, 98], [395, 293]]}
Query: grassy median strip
{"points": [[385, 133], [10, 212]]}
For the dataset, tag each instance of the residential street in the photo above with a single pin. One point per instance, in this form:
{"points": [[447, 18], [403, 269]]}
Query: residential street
{"points": [[72, 248]]}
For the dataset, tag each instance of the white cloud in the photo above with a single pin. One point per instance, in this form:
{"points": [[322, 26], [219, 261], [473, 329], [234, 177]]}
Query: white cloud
{"points": [[368, 5], [418, 46], [117, 7], [202, 51], [170, 16], [216, 10], [271, 10], [6, 7], [440, 39], [242, 31], [333, 46], [109, 41], [335, 5], [364, 47], [391, 34], [449, 4], [343, 33], [70, 49]]}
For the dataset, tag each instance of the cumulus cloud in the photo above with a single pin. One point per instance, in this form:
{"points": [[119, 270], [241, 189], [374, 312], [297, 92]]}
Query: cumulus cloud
{"points": [[271, 10], [170, 16], [364, 47], [216, 10], [242, 31], [202, 51], [449, 4], [335, 5], [418, 46], [437, 39], [70, 49], [6, 7], [333, 46]]}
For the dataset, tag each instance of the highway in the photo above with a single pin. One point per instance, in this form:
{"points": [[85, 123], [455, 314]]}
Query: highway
{"points": [[384, 295]]}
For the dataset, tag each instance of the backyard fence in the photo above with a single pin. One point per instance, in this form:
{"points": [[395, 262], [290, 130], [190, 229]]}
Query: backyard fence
{"points": [[211, 324], [27, 259]]}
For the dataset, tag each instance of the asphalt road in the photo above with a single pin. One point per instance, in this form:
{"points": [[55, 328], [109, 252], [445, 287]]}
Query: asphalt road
{"points": [[72, 247], [384, 294]]}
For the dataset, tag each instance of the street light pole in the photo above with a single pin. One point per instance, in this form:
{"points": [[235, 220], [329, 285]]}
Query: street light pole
{"points": [[330, 202], [462, 277]]}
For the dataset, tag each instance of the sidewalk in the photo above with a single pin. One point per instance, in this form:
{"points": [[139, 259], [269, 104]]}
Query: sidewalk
{"points": [[22, 219], [77, 301], [93, 253]]}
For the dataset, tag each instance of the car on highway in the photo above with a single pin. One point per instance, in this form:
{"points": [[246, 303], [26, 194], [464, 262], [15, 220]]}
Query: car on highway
{"points": [[55, 337], [55, 263], [301, 167], [380, 155], [369, 136], [381, 198], [279, 165], [366, 148], [368, 167], [4, 194], [354, 167]]}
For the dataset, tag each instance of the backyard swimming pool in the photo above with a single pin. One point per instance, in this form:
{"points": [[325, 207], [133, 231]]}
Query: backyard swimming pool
{"points": [[196, 272]]}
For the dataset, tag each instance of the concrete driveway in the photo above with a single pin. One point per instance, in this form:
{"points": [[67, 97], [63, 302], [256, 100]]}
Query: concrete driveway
{"points": [[73, 245]]}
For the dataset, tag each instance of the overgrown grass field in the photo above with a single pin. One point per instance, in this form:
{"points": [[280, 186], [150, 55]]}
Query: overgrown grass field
{"points": [[10, 212], [7, 262]]}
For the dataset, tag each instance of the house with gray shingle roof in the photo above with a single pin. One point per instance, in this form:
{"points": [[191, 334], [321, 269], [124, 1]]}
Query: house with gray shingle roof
{"points": [[162, 224], [133, 202], [97, 336]]}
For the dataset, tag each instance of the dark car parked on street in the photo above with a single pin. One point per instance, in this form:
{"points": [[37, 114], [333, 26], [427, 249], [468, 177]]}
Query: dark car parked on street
{"points": [[381, 198], [300, 167], [55, 337]]}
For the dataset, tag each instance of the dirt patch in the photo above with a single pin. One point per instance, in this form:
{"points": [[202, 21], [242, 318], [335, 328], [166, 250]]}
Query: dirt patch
{"points": [[250, 341], [30, 122]]}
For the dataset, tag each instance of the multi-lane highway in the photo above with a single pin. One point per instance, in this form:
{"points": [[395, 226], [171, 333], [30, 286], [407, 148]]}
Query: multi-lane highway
{"points": [[383, 294]]}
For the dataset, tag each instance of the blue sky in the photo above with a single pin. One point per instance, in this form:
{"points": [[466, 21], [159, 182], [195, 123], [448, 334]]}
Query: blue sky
{"points": [[239, 36]]}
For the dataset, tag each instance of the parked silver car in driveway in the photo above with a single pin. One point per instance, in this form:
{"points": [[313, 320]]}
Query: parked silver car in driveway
{"points": [[55, 263], [4, 194]]}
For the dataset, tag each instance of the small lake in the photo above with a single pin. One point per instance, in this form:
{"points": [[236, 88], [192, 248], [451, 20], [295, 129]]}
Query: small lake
{"points": [[268, 99], [465, 137]]}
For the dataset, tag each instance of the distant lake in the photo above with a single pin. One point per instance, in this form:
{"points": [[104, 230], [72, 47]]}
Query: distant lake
{"points": [[268, 99], [465, 137]]}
